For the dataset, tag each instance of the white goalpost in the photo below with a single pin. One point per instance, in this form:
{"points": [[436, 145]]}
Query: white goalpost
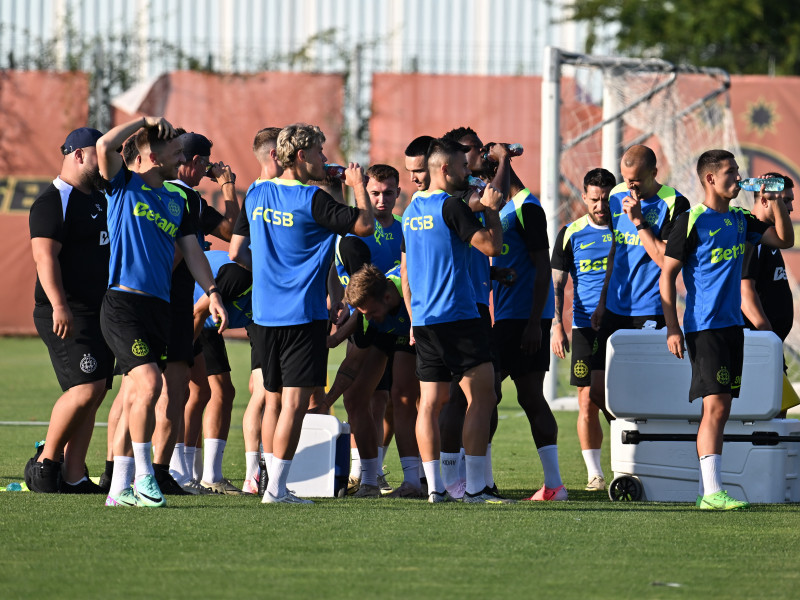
{"points": [[593, 107]]}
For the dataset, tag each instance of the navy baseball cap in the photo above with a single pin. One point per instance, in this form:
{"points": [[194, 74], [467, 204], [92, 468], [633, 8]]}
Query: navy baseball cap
{"points": [[195, 144], [83, 137]]}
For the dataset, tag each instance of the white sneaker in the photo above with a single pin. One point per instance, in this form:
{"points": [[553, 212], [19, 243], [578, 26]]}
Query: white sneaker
{"points": [[596, 484], [287, 498], [437, 497]]}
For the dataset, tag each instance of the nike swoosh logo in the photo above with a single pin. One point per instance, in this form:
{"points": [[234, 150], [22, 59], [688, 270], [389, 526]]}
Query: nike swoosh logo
{"points": [[619, 214], [584, 246], [774, 252], [145, 188], [94, 216], [715, 232]]}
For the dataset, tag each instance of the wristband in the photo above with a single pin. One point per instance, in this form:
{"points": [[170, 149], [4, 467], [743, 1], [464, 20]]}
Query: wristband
{"points": [[641, 226], [212, 290]]}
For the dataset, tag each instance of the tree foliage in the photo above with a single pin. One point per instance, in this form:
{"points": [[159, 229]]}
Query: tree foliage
{"points": [[740, 36]]}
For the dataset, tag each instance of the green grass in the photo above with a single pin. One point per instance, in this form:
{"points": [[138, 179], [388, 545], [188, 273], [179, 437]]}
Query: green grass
{"points": [[589, 547]]}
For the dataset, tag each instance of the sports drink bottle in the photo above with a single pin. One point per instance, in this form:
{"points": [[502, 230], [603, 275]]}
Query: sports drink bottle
{"points": [[753, 184]]}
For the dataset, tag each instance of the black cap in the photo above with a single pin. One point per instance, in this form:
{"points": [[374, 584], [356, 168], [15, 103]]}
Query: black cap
{"points": [[195, 144], [83, 137]]}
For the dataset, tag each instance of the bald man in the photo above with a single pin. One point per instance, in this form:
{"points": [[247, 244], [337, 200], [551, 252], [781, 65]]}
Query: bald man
{"points": [[643, 212]]}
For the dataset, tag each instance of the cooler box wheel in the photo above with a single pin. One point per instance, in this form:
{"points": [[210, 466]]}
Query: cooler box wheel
{"points": [[626, 489]]}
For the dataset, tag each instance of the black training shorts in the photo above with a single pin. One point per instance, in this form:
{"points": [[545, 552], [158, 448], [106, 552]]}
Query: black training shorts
{"points": [[507, 335], [136, 328], [448, 350], [293, 355], [82, 358], [716, 356]]}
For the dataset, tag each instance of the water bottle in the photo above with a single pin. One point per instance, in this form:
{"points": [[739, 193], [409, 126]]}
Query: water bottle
{"points": [[476, 184], [753, 184], [13, 487], [513, 150], [334, 170]]}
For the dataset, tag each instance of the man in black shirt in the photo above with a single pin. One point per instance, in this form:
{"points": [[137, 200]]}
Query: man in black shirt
{"points": [[767, 302], [69, 240], [766, 294]]}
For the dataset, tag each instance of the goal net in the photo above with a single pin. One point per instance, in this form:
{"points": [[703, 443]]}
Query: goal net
{"points": [[604, 105], [594, 107]]}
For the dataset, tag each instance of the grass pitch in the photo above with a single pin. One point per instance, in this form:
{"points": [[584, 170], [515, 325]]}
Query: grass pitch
{"points": [[216, 547]]}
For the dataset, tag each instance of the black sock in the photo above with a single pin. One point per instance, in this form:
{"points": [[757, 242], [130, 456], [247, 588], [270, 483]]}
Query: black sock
{"points": [[109, 468]]}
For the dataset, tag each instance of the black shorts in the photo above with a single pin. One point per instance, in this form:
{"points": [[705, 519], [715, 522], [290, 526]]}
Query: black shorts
{"points": [[716, 356], [613, 322], [255, 357], [584, 347], [292, 356], [180, 345], [507, 335], [214, 351], [83, 357], [448, 350], [136, 328]]}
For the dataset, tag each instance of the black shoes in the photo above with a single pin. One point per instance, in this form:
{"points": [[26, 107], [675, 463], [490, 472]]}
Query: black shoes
{"points": [[43, 477], [167, 483]]}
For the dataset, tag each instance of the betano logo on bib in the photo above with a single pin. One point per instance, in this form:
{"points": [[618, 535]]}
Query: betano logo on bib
{"points": [[142, 209], [626, 238], [593, 265], [720, 254]]}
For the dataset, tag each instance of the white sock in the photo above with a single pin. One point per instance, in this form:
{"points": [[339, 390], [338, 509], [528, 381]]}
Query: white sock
{"points": [[710, 473], [411, 466], [488, 475], [251, 464], [176, 464], [188, 460], [381, 454], [450, 462], [141, 455], [549, 457], [462, 465], [592, 460], [355, 463], [197, 464], [369, 471], [124, 468], [434, 477], [278, 474], [476, 467], [267, 456], [212, 465]]}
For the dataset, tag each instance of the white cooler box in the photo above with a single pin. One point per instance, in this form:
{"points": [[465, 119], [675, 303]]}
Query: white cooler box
{"points": [[322, 461], [653, 451]]}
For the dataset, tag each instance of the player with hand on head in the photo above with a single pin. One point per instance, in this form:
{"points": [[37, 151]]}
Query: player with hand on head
{"points": [[145, 221]]}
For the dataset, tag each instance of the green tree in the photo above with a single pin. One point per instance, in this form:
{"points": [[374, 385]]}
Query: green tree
{"points": [[740, 36]]}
